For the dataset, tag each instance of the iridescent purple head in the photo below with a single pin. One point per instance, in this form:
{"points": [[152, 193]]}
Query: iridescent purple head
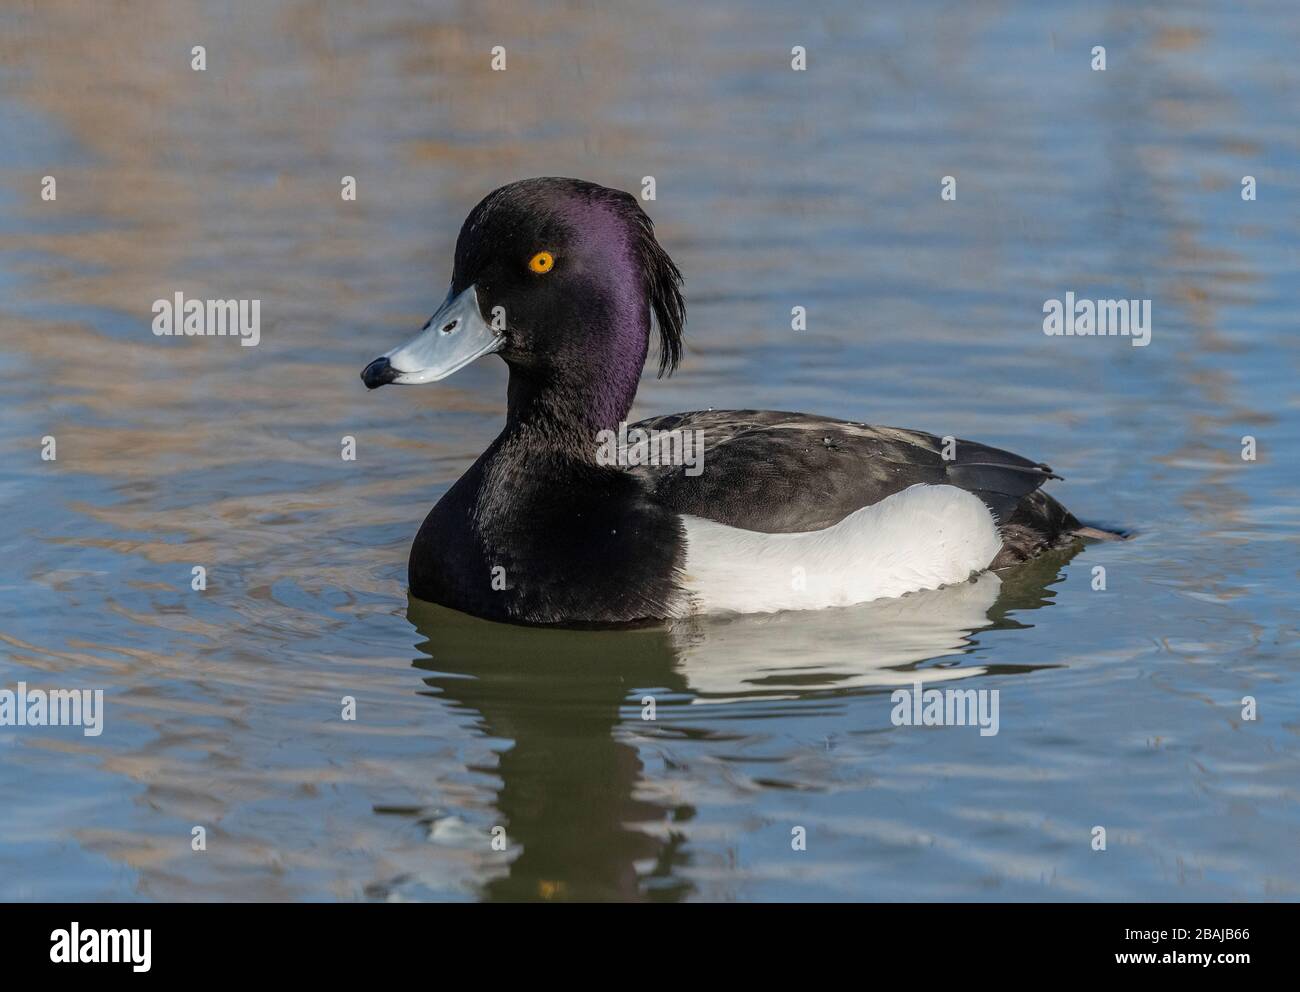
{"points": [[565, 280]]}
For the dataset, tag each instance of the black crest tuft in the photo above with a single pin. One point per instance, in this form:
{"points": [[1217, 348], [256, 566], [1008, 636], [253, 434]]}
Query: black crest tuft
{"points": [[664, 281]]}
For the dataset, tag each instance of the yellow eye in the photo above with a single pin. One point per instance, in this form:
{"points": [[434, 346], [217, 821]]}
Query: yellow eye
{"points": [[542, 262]]}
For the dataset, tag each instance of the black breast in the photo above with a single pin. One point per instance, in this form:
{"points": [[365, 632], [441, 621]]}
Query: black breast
{"points": [[535, 538]]}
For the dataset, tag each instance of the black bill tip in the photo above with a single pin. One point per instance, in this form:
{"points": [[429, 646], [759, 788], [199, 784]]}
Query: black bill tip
{"points": [[378, 373]]}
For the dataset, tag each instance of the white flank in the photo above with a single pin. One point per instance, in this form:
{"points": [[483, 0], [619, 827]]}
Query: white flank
{"points": [[921, 538]]}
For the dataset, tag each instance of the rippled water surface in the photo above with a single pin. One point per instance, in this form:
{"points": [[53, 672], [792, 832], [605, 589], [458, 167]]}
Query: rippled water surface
{"points": [[1119, 708]]}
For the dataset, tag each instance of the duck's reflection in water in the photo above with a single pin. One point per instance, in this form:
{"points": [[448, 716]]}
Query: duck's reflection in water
{"points": [[567, 788]]}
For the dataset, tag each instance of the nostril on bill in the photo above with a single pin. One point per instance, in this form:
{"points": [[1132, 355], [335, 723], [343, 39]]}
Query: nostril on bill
{"points": [[450, 326]]}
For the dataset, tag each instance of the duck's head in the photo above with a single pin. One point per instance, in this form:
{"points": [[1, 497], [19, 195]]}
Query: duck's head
{"points": [[562, 278]]}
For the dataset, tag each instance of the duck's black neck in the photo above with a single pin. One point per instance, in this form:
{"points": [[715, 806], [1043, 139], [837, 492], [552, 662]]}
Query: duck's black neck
{"points": [[562, 413]]}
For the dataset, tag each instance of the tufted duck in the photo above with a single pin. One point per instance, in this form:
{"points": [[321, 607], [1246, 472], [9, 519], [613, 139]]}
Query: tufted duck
{"points": [[565, 281]]}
